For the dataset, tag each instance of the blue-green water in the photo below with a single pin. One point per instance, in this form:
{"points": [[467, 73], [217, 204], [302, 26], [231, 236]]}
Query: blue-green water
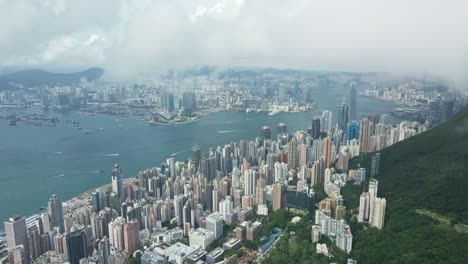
{"points": [[36, 162]]}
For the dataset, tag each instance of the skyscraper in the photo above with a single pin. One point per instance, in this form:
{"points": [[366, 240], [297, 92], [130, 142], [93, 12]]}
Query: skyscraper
{"points": [[131, 236], [214, 223], [16, 235], [373, 186], [279, 196], [265, 132], [55, 211], [343, 115], [353, 102], [250, 179], [76, 246], [292, 153], [365, 133], [281, 129], [377, 218], [326, 121], [327, 151], [315, 132], [196, 155], [117, 181], [96, 201], [364, 201]]}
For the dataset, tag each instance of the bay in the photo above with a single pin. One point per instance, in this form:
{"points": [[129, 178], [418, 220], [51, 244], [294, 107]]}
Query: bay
{"points": [[37, 162]]}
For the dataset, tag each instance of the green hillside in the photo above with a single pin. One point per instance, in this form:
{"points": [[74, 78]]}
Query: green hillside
{"points": [[425, 182]]}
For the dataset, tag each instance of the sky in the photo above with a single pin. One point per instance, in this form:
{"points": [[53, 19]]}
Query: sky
{"points": [[132, 39]]}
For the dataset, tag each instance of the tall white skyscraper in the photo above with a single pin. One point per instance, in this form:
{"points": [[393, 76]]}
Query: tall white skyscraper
{"points": [[214, 223], [55, 212], [326, 120], [225, 207], [377, 218], [250, 179], [364, 201], [373, 186]]}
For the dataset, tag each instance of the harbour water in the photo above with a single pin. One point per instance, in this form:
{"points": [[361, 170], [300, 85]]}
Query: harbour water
{"points": [[37, 161]]}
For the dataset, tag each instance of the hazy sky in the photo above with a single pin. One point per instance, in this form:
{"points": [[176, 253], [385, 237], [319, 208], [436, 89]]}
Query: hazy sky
{"points": [[139, 38]]}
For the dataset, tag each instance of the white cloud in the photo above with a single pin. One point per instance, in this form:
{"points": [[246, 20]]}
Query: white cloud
{"points": [[133, 38]]}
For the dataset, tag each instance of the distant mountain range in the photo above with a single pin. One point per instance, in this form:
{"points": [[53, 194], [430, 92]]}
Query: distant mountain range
{"points": [[36, 77]]}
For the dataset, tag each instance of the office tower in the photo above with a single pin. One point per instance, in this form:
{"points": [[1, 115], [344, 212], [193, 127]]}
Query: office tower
{"points": [[104, 250], [364, 202], [265, 132], [279, 196], [186, 213], [179, 209], [250, 179], [45, 223], [214, 223], [327, 151], [117, 182], [76, 246], [131, 236], [34, 242], [196, 155], [343, 115], [315, 130], [188, 102], [281, 129], [96, 201], [352, 131], [55, 211], [375, 164], [292, 153], [353, 102], [16, 235], [377, 218], [326, 121], [243, 149], [215, 199], [365, 133], [97, 226]]}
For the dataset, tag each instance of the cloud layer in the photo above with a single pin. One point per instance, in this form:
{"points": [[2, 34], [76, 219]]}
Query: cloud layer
{"points": [[139, 38]]}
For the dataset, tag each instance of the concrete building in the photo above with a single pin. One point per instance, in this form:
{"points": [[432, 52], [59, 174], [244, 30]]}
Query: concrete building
{"points": [[214, 223], [16, 235], [279, 196], [215, 256], [378, 214], [364, 202], [131, 236], [201, 237]]}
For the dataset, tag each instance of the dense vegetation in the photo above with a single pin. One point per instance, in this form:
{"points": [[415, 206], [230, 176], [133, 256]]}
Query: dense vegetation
{"points": [[424, 172], [427, 172]]}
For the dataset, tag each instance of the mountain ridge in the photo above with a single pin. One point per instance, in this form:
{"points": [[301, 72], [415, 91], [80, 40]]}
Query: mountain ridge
{"points": [[36, 77]]}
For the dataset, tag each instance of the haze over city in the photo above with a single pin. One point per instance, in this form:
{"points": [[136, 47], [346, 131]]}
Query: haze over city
{"points": [[132, 39], [233, 131]]}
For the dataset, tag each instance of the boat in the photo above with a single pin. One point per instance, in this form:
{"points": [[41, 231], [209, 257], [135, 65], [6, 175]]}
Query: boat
{"points": [[101, 171], [87, 131]]}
